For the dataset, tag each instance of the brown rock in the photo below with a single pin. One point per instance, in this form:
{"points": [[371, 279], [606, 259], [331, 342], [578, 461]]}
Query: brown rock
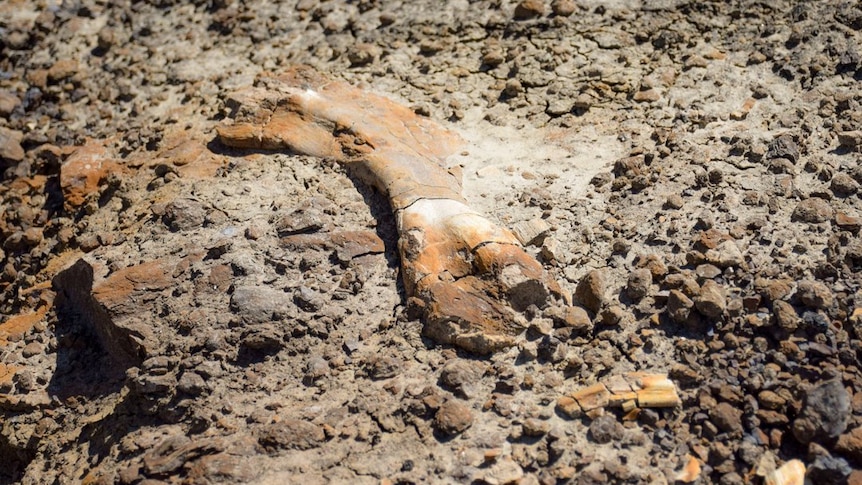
{"points": [[712, 300], [8, 103], [847, 221], [825, 413], [770, 400], [453, 418], [590, 291], [726, 417], [813, 211], [850, 445], [62, 69], [679, 306], [573, 317], [814, 294], [778, 289], [83, 173], [10, 145], [563, 8], [843, 185], [639, 283], [529, 9], [785, 315], [726, 254], [290, 434], [850, 139], [647, 96]]}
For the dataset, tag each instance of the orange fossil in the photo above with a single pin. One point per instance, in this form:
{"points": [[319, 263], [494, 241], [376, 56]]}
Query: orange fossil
{"points": [[471, 277]]}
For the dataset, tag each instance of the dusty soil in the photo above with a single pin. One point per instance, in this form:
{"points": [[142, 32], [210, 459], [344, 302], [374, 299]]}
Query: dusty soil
{"points": [[179, 312]]}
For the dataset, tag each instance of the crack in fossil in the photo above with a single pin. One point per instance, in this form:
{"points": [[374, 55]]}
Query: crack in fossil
{"points": [[470, 277]]}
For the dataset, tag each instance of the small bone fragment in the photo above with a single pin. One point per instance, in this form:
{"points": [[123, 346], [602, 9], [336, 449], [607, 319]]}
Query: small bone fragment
{"points": [[791, 473], [690, 471], [470, 277], [629, 391]]}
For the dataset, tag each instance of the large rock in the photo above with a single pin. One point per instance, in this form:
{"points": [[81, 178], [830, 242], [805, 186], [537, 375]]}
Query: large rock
{"points": [[84, 172], [10, 145]]}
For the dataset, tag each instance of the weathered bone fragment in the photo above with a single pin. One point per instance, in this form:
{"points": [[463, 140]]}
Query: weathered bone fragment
{"points": [[630, 391], [470, 276]]}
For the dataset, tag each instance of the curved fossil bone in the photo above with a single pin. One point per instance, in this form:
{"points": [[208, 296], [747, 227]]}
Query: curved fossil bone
{"points": [[470, 276]]}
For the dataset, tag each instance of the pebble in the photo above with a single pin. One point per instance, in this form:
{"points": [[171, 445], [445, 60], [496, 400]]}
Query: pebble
{"points": [[605, 429], [529, 9], [828, 470], [824, 415], [563, 8], [783, 147], [850, 139], [462, 376], [590, 291], [10, 144], [679, 306], [814, 294], [532, 232], [843, 185], [726, 417], [290, 434], [31, 349], [573, 317], [638, 284], [452, 418], [259, 304], [184, 214], [785, 315], [726, 255], [8, 103], [308, 299], [674, 201], [813, 211], [712, 300]]}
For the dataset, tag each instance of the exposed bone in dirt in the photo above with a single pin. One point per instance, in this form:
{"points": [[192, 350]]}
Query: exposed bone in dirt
{"points": [[468, 275]]}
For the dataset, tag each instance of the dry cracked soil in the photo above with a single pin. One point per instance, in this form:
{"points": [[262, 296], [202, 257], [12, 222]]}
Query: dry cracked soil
{"points": [[175, 310]]}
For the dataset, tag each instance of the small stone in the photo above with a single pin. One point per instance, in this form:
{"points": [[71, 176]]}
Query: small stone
{"points": [[259, 304], [828, 470], [814, 294], [605, 429], [290, 434], [770, 400], [850, 139], [532, 232], [362, 54], [674, 201], [783, 147], [843, 185], [785, 315], [563, 8], [590, 291], [308, 299], [513, 88], [462, 376], [813, 211], [536, 427], [707, 271], [679, 306], [825, 413], [62, 69], [638, 284], [453, 418], [191, 383], [8, 103], [647, 96], [31, 349], [726, 417], [10, 145], [612, 315], [573, 317], [184, 214], [850, 444], [725, 255], [712, 300], [569, 407], [529, 9]]}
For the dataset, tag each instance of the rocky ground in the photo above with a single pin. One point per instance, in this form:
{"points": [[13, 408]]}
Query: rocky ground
{"points": [[175, 311]]}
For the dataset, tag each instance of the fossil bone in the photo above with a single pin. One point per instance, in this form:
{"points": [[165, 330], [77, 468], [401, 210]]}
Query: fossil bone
{"points": [[470, 277]]}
